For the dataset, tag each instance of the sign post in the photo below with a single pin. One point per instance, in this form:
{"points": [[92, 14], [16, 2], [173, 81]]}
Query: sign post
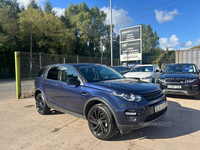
{"points": [[131, 44]]}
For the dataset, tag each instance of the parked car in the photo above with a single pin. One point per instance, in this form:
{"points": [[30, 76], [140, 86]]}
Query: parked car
{"points": [[99, 94], [180, 79], [121, 69], [147, 73]]}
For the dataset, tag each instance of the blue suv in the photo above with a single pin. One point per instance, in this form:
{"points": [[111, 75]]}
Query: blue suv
{"points": [[108, 100]]}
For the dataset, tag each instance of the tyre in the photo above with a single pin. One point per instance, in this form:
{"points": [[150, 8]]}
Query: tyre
{"points": [[41, 105], [101, 122]]}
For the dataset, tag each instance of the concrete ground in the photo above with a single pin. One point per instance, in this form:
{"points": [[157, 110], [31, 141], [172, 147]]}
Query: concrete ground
{"points": [[21, 127]]}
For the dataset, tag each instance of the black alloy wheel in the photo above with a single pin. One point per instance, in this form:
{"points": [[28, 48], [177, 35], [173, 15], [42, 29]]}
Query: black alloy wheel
{"points": [[41, 105], [101, 122]]}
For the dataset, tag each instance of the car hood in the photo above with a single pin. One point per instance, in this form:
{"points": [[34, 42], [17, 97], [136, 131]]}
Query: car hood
{"points": [[138, 74], [178, 75], [125, 86]]}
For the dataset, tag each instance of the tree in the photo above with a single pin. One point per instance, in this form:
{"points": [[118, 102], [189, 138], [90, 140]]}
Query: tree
{"points": [[149, 38], [48, 8], [89, 24], [33, 4], [9, 32], [49, 33], [195, 47], [106, 43]]}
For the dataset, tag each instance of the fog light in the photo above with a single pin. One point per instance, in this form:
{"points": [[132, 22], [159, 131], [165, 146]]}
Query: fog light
{"points": [[130, 113], [131, 118]]}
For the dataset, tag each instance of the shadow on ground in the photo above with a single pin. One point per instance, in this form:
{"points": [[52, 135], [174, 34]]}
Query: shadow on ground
{"points": [[183, 121]]}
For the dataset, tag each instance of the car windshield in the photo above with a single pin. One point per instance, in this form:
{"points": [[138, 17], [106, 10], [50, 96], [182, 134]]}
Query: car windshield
{"points": [[180, 68], [95, 73], [142, 69]]}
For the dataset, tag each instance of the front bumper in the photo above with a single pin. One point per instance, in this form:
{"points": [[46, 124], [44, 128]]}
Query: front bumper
{"points": [[145, 116], [189, 89]]}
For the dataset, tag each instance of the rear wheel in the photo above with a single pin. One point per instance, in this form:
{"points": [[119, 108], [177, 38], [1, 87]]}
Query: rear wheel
{"points": [[101, 122], [41, 105]]}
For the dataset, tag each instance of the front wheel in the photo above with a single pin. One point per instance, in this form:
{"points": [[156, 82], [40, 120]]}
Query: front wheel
{"points": [[101, 122]]}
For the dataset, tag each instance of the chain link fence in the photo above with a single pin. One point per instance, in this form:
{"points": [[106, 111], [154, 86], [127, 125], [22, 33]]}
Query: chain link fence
{"points": [[31, 63]]}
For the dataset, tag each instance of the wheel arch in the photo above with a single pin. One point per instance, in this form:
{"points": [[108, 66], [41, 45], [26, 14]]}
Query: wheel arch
{"points": [[96, 100], [38, 91]]}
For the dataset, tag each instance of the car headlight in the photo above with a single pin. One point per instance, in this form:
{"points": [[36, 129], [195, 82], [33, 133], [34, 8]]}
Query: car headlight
{"points": [[127, 97], [190, 80], [149, 77]]}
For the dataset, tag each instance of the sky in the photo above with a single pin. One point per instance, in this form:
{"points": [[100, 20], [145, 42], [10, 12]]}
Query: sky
{"points": [[177, 22]]}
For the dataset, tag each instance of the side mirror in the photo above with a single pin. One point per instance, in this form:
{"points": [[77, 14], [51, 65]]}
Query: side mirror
{"points": [[160, 71], [157, 70], [73, 81]]}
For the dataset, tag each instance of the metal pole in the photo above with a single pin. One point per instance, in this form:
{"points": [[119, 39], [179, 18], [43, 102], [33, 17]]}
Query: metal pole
{"points": [[127, 58], [17, 74], [111, 33], [77, 59], [40, 58], [31, 52]]}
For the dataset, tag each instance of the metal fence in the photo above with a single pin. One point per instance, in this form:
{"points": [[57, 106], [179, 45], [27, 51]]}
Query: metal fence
{"points": [[31, 63], [188, 56]]}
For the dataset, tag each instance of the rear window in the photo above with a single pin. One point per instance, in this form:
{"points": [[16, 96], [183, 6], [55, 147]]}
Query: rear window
{"points": [[41, 72], [53, 73]]}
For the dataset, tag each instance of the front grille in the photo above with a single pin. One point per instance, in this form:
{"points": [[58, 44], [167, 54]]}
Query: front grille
{"points": [[179, 80], [153, 95], [137, 78], [156, 115], [133, 78]]}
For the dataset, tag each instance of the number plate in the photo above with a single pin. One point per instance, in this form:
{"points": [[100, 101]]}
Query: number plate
{"points": [[160, 107], [174, 86]]}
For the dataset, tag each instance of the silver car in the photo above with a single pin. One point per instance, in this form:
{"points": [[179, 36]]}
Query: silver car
{"points": [[147, 73]]}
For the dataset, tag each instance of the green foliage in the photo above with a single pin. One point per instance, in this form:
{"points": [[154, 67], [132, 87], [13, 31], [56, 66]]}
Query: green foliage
{"points": [[48, 8], [33, 4], [89, 24], [9, 33], [106, 43], [149, 39], [195, 47], [49, 33], [167, 57]]}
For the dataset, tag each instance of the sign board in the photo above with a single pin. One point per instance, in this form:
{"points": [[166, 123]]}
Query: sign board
{"points": [[130, 34], [131, 44]]}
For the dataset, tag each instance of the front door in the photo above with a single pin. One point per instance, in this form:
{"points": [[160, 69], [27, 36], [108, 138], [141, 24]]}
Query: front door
{"points": [[70, 96]]}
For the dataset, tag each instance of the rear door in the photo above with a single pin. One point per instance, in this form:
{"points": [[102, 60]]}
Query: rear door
{"points": [[50, 84]]}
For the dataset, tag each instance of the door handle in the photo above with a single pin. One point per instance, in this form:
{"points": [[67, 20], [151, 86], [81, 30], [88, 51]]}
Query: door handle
{"points": [[85, 93]]}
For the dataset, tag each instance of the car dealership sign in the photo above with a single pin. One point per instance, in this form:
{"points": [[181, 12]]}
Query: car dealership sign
{"points": [[131, 43]]}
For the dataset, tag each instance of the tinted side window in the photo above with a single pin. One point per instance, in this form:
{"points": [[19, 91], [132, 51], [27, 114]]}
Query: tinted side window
{"points": [[40, 72], [124, 69], [119, 69], [67, 73], [53, 73]]}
